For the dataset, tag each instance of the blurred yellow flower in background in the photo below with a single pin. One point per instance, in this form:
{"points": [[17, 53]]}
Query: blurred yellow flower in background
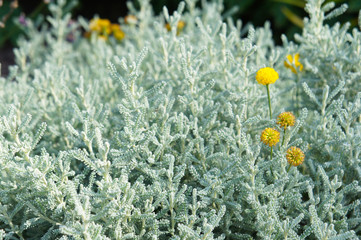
{"points": [[100, 25], [117, 31], [104, 28], [119, 34], [181, 24], [293, 63]]}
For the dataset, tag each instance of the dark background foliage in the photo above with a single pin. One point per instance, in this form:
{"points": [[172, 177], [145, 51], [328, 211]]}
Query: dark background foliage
{"points": [[285, 15], [278, 12]]}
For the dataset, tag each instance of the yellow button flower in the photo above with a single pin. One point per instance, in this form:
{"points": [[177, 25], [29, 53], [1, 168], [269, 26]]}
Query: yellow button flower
{"points": [[270, 136], [103, 22], [119, 34], [104, 29], [266, 76], [295, 156], [117, 31], [293, 63], [94, 26], [286, 119], [181, 24], [100, 25], [114, 27]]}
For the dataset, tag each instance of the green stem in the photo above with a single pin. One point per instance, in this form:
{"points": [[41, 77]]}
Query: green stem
{"points": [[271, 159], [297, 101], [283, 138], [269, 102], [289, 167]]}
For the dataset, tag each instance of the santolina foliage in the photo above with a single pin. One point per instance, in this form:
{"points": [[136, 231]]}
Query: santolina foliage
{"points": [[157, 134]]}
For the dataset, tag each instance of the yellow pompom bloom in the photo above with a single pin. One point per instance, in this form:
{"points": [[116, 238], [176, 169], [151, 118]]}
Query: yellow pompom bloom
{"points": [[270, 136], [103, 22], [94, 26], [266, 76], [295, 156], [293, 63], [117, 31], [114, 27], [119, 34], [286, 119], [102, 26], [181, 24]]}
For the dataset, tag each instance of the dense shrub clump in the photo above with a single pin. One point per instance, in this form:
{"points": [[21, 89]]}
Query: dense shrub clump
{"points": [[159, 133]]}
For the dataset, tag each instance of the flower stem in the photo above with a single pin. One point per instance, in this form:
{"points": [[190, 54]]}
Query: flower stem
{"points": [[297, 102], [269, 102], [289, 167], [271, 152], [283, 138]]}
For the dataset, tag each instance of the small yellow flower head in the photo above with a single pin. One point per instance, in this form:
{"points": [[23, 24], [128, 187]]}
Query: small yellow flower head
{"points": [[94, 26], [98, 24], [286, 119], [293, 63], [270, 136], [295, 156], [181, 24], [101, 26], [103, 22], [104, 28], [119, 34], [266, 76], [117, 31], [114, 27]]}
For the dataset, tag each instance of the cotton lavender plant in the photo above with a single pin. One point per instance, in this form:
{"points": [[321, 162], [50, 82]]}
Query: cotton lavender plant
{"points": [[162, 134]]}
